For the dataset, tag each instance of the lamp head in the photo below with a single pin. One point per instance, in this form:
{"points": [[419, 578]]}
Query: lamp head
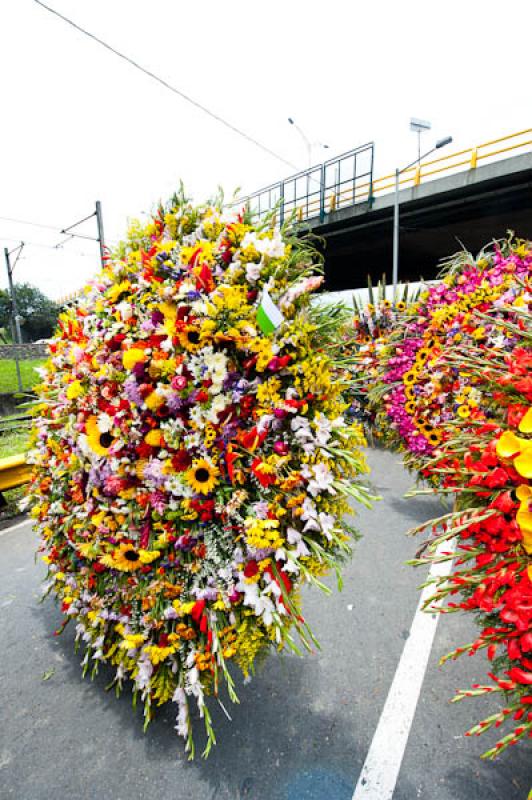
{"points": [[443, 142]]}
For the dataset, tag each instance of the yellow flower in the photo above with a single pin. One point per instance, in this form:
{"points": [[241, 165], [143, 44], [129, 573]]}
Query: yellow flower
{"points": [[463, 411], [520, 450], [75, 389], [525, 426], [509, 445], [524, 515], [132, 641], [118, 289], [89, 550], [263, 533], [154, 401], [191, 338], [434, 438], [154, 437], [134, 355], [202, 476], [127, 558], [98, 442], [157, 654]]}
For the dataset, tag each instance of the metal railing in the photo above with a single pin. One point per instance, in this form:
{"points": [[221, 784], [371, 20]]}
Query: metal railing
{"points": [[325, 188], [314, 192]]}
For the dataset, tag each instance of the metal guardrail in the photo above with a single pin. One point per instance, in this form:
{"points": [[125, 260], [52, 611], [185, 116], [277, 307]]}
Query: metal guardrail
{"points": [[313, 192], [14, 471]]}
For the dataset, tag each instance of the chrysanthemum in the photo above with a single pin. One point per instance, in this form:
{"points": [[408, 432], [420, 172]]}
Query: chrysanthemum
{"points": [[203, 476]]}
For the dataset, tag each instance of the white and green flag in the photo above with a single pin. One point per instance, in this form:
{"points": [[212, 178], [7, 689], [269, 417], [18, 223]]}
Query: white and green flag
{"points": [[269, 317]]}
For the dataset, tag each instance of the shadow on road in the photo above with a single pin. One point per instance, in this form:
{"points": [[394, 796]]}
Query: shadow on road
{"points": [[277, 747]]}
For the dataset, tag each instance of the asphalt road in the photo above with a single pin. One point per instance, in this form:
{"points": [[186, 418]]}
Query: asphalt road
{"points": [[303, 727]]}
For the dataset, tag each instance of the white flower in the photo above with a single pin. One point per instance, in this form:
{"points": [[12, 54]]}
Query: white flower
{"points": [[125, 309], [260, 603], [327, 523], [196, 416], [310, 515], [105, 422], [323, 430], [253, 272], [217, 406], [320, 480]]}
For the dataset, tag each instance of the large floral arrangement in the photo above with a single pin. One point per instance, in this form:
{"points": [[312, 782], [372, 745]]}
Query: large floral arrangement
{"points": [[365, 338], [487, 467], [193, 464], [418, 392]]}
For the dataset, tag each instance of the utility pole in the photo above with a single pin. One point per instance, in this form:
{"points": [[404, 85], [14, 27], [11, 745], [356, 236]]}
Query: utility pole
{"points": [[101, 239], [15, 320]]}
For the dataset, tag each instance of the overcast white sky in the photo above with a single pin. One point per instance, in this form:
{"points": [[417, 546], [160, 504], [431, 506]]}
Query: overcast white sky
{"points": [[79, 124]]}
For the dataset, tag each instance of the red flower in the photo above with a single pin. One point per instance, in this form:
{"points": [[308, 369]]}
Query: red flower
{"points": [[251, 569]]}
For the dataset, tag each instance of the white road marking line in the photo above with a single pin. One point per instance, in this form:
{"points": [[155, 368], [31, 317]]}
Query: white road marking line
{"points": [[15, 527], [379, 774]]}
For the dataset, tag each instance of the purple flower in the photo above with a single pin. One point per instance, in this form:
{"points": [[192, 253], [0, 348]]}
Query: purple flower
{"points": [[132, 392]]}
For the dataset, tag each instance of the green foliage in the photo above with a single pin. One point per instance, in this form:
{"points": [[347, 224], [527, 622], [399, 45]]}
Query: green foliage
{"points": [[38, 311]]}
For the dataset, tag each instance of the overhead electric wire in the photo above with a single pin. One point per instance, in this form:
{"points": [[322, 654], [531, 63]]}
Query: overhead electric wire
{"points": [[33, 224], [46, 246], [168, 86]]}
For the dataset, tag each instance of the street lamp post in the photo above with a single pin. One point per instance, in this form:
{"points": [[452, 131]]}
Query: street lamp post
{"points": [[395, 268], [308, 143]]}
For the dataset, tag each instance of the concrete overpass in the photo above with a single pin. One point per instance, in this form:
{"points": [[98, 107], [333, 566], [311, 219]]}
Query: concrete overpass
{"points": [[465, 199], [436, 218]]}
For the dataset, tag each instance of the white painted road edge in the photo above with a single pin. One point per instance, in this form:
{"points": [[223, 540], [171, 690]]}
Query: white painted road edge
{"points": [[379, 774], [15, 527]]}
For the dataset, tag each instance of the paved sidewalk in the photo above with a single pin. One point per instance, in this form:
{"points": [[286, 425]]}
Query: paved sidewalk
{"points": [[303, 727]]}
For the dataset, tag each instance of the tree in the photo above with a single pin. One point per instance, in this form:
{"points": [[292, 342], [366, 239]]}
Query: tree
{"points": [[38, 312]]}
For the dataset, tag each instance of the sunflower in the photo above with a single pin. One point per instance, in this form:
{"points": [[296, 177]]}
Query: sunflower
{"points": [[127, 558], [463, 411], [98, 441], [202, 476], [422, 355], [400, 306], [433, 438], [191, 338], [409, 393], [409, 378], [410, 407]]}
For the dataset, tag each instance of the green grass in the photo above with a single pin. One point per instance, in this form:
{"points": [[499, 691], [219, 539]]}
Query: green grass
{"points": [[8, 374], [14, 442]]}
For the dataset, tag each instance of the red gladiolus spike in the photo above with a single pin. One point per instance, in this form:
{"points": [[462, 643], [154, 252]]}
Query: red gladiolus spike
{"points": [[197, 610]]}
